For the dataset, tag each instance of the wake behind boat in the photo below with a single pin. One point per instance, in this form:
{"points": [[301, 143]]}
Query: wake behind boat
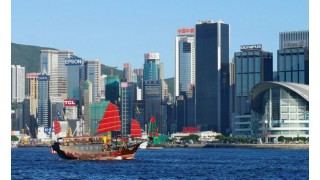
{"points": [[100, 147]]}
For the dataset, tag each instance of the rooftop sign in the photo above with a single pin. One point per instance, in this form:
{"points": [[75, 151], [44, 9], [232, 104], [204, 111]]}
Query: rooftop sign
{"points": [[293, 44], [32, 75], [152, 56], [184, 31], [251, 47], [72, 61]]}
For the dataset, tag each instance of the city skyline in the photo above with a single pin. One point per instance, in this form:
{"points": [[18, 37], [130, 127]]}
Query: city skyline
{"points": [[118, 33]]}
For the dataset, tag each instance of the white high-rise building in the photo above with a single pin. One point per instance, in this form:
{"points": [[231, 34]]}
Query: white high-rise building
{"points": [[184, 60], [18, 78], [53, 64], [93, 74]]}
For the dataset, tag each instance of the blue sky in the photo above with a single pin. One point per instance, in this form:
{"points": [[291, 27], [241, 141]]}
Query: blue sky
{"points": [[117, 32]]}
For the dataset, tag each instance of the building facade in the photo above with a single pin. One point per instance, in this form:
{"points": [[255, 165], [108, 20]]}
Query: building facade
{"points": [[18, 77], [87, 100], [52, 63], [151, 66], [212, 76], [280, 109], [127, 73], [93, 73], [126, 106], [44, 101], [184, 60], [293, 65]]}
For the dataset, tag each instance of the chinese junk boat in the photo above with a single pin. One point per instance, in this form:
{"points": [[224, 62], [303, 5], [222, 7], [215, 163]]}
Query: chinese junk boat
{"points": [[101, 147]]}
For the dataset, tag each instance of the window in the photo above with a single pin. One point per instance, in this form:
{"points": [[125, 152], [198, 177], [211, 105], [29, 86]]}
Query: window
{"points": [[301, 62], [251, 64], [288, 76], [238, 64], [288, 63], [295, 62], [257, 64], [281, 63]]}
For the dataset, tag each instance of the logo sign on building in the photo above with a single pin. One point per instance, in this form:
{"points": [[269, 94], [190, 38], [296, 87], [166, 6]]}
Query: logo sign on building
{"points": [[152, 56], [48, 129], [32, 75], [124, 85], [294, 44], [69, 102], [185, 31], [72, 61], [251, 47], [43, 78]]}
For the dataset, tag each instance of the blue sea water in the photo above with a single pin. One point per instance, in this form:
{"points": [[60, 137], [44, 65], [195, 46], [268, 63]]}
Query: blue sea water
{"points": [[171, 163]]}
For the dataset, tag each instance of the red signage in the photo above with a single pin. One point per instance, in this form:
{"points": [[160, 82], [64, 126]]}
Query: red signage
{"points": [[190, 129], [69, 102], [185, 31], [32, 75]]}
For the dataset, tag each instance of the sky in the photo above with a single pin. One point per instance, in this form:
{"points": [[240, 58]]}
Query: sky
{"points": [[118, 32]]}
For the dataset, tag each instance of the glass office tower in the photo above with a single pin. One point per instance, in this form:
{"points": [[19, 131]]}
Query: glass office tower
{"points": [[212, 76]]}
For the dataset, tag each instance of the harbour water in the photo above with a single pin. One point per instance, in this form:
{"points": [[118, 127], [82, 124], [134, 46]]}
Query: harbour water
{"points": [[167, 163]]}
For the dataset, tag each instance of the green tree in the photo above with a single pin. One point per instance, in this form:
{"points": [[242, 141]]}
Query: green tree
{"points": [[14, 138], [281, 138]]}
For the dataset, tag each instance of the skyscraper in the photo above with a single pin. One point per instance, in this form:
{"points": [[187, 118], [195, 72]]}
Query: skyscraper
{"points": [[87, 100], [252, 66], [17, 83], [184, 60], [33, 93], [126, 106], [53, 64], [212, 76], [151, 66], [44, 101], [93, 73], [127, 74], [293, 57]]}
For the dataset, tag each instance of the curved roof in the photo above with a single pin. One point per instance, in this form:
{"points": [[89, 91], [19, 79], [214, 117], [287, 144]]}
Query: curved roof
{"points": [[257, 91]]}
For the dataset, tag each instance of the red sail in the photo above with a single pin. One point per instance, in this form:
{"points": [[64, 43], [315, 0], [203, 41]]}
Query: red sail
{"points": [[111, 120], [57, 127], [135, 128]]}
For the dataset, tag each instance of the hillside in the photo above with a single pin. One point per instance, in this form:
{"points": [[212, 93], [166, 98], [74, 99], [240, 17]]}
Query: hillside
{"points": [[29, 57]]}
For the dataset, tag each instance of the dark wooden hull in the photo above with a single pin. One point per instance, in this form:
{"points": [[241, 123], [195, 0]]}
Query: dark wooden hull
{"points": [[94, 152]]}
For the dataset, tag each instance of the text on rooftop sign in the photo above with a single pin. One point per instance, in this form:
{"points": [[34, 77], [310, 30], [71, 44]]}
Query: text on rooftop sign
{"points": [[182, 31], [251, 47], [72, 61]]}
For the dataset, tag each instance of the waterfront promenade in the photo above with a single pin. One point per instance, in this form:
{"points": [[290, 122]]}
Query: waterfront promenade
{"points": [[257, 146]]}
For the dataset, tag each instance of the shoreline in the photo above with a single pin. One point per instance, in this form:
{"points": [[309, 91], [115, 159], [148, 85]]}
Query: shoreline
{"points": [[253, 146]]}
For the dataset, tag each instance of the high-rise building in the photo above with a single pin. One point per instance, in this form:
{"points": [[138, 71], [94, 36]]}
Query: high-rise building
{"points": [[126, 106], [184, 60], [74, 77], [44, 101], [17, 83], [33, 93], [252, 66], [87, 100], [103, 86], [112, 89], [127, 74], [287, 39], [212, 76], [53, 64], [293, 57], [151, 66], [93, 73]]}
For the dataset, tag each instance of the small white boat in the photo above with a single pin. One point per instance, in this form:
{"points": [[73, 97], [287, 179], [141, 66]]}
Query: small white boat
{"points": [[143, 145]]}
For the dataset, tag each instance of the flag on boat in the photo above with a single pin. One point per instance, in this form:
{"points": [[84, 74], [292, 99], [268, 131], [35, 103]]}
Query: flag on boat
{"points": [[57, 127], [135, 128], [137, 110]]}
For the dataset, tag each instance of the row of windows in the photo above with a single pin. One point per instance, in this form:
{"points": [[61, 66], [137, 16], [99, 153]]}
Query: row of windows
{"points": [[248, 65], [289, 63]]}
